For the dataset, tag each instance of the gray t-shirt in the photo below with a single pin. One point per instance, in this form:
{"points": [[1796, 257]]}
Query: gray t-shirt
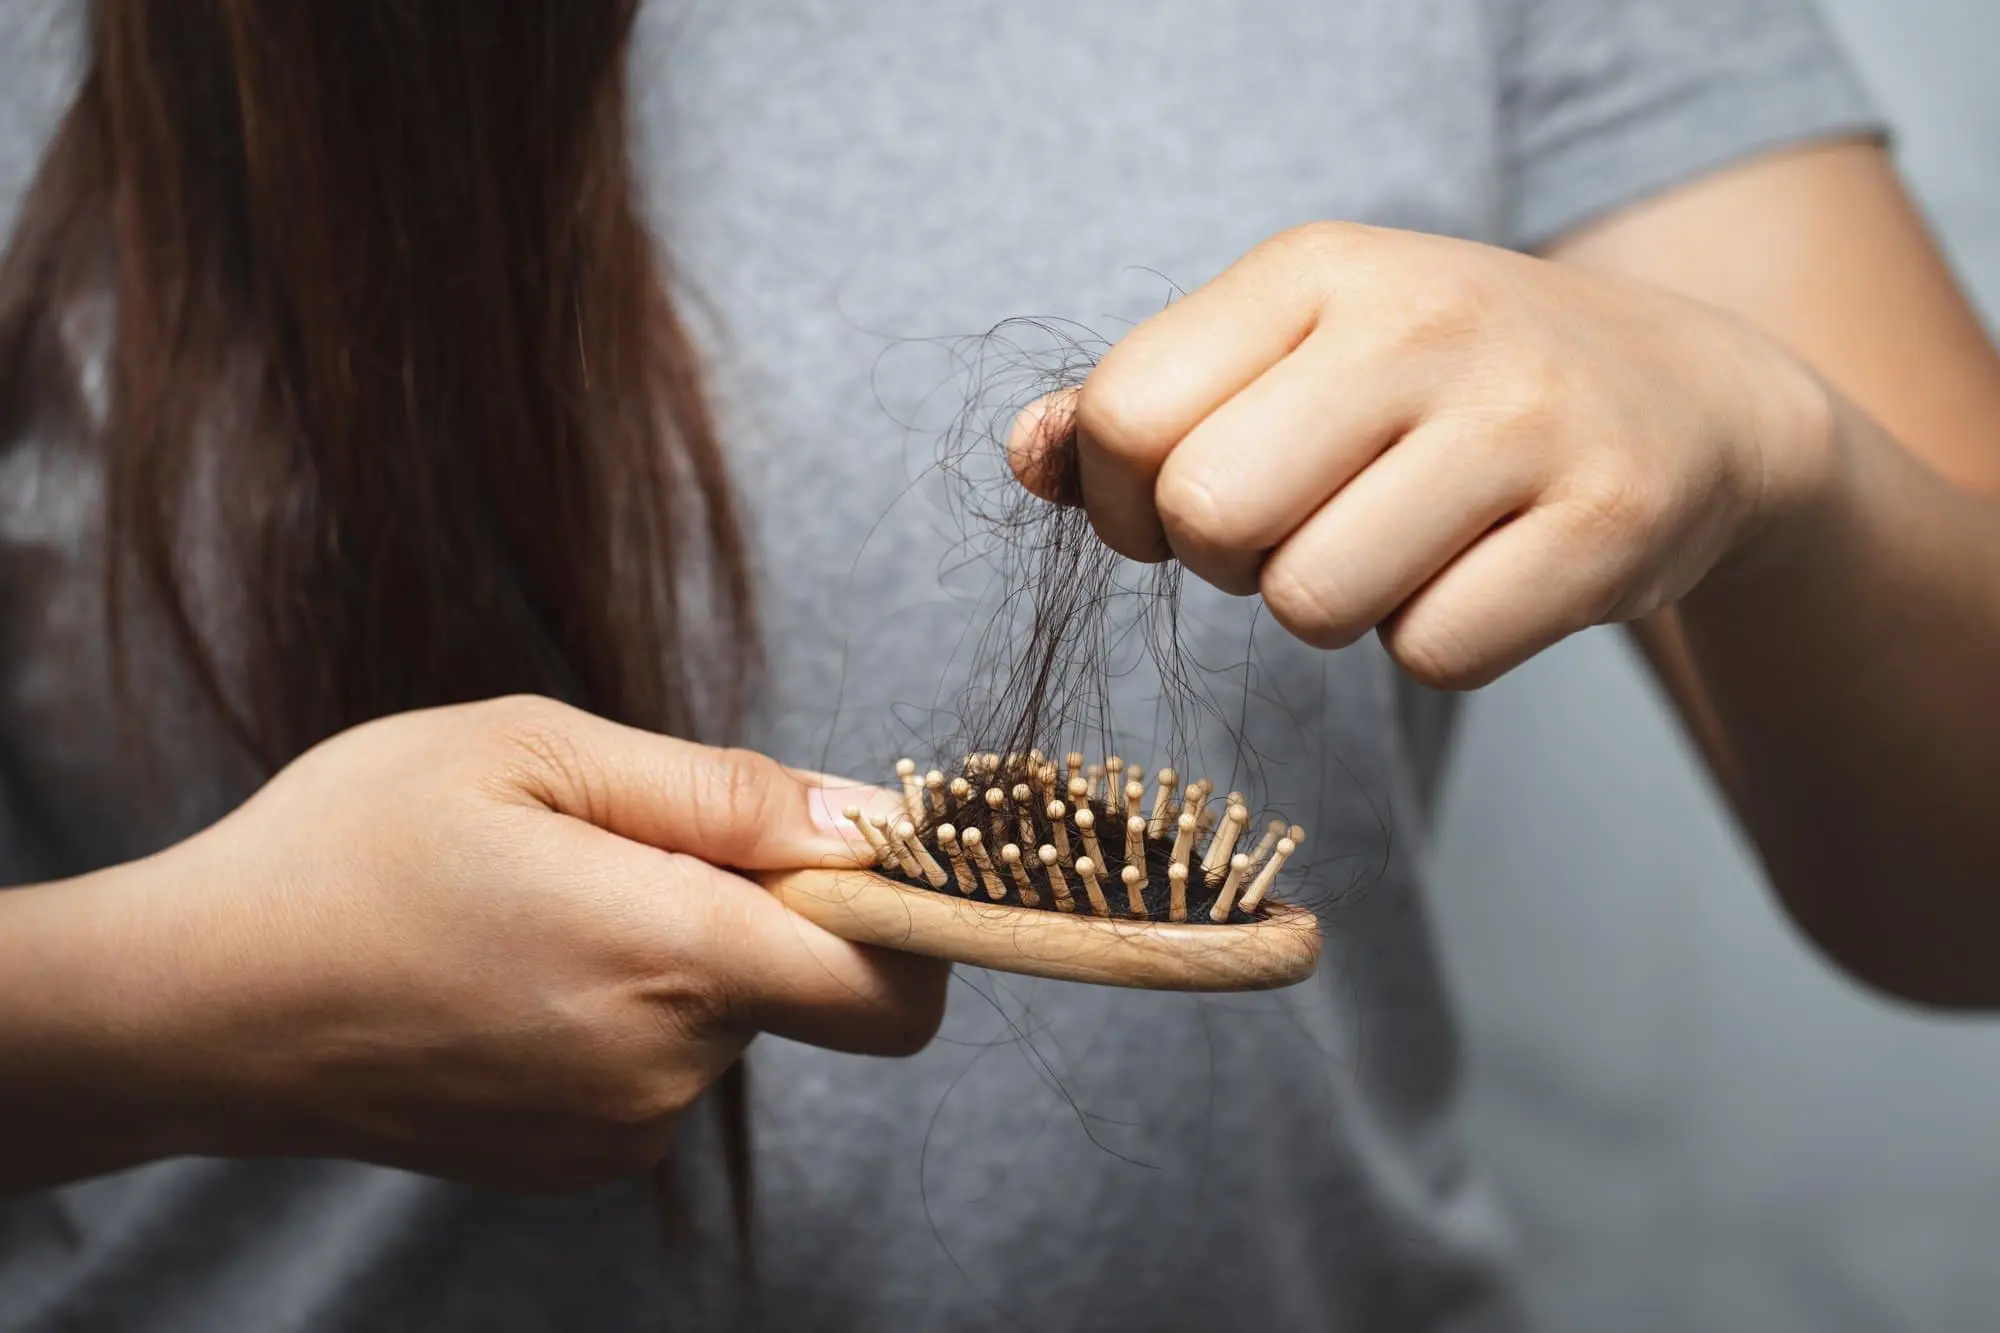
{"points": [[843, 185]]}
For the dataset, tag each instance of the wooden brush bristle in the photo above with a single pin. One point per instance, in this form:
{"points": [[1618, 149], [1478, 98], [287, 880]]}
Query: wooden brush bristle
{"points": [[1000, 829]]}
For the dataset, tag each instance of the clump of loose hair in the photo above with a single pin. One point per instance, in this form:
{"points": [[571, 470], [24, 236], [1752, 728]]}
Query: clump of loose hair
{"points": [[1074, 622], [1074, 615]]}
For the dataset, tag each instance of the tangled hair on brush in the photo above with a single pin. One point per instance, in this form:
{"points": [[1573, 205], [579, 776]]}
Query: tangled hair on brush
{"points": [[1008, 809], [1071, 609]]}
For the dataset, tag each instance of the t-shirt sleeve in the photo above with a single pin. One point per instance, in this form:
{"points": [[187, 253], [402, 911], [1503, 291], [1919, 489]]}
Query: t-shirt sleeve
{"points": [[1606, 102]]}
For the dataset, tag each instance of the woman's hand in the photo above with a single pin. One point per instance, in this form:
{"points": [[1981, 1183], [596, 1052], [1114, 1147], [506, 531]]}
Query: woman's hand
{"points": [[1474, 452], [492, 942]]}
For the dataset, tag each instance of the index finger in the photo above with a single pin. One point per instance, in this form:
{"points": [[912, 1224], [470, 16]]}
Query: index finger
{"points": [[780, 973], [1163, 378]]}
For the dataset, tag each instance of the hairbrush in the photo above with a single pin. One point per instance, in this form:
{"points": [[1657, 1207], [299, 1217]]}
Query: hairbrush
{"points": [[1081, 873]]}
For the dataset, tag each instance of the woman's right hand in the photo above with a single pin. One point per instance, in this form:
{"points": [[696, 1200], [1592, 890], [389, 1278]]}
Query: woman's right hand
{"points": [[492, 942]]}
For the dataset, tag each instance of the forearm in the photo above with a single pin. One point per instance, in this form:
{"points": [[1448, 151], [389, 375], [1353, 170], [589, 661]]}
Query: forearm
{"points": [[1852, 659], [88, 1034]]}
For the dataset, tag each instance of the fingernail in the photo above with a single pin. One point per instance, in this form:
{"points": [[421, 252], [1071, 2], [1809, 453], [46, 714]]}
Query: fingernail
{"points": [[825, 814], [829, 807]]}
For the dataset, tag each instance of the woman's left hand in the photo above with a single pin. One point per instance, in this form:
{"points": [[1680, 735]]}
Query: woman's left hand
{"points": [[1472, 451]]}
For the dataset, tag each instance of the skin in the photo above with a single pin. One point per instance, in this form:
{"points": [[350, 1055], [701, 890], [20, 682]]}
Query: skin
{"points": [[1755, 419], [492, 942], [1885, 615], [488, 942]]}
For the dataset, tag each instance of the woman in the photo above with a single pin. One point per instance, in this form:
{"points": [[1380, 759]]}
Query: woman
{"points": [[333, 319]]}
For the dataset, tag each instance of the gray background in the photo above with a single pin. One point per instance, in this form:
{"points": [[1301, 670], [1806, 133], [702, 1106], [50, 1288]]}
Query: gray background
{"points": [[1699, 1123]]}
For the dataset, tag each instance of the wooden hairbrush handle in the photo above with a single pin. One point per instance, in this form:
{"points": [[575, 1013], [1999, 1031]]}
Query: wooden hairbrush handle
{"points": [[1279, 948]]}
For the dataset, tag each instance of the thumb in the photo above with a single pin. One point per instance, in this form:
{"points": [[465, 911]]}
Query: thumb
{"points": [[728, 807], [1041, 448]]}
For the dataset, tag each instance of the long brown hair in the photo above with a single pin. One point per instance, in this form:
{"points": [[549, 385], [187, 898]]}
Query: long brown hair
{"points": [[390, 341]]}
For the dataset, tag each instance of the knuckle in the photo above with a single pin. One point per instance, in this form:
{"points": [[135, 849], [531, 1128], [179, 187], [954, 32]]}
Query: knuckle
{"points": [[1310, 608], [1446, 304], [1531, 395], [521, 713], [1611, 513], [1606, 586], [537, 728], [1192, 512], [1433, 654], [1142, 541], [1118, 415], [1324, 241], [738, 794], [534, 742]]}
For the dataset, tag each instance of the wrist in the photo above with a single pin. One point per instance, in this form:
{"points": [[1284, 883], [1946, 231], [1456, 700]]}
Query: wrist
{"points": [[1800, 433], [103, 1016], [1804, 527]]}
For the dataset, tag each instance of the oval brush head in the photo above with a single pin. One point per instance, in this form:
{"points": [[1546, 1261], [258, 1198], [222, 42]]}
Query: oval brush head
{"points": [[1016, 864]]}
